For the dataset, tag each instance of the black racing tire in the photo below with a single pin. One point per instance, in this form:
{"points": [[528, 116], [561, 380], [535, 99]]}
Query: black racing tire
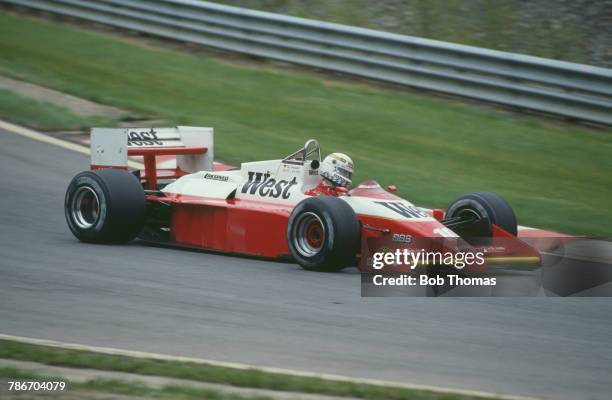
{"points": [[485, 204], [339, 234], [105, 206]]}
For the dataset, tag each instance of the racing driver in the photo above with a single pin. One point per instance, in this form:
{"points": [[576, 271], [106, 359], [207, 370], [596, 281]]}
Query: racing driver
{"points": [[337, 172]]}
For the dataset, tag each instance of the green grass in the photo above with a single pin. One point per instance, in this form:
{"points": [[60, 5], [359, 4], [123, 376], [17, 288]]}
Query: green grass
{"points": [[127, 388], [18, 373], [250, 378], [167, 392], [42, 115], [557, 177]]}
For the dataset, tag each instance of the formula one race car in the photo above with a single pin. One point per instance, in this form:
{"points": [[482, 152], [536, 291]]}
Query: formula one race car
{"points": [[261, 208]]}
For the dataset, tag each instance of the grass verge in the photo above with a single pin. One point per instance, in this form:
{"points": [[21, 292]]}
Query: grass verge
{"points": [[125, 388], [41, 115], [555, 176], [250, 378]]}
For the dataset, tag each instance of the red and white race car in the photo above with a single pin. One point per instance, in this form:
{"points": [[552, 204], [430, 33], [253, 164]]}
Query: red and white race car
{"points": [[261, 208]]}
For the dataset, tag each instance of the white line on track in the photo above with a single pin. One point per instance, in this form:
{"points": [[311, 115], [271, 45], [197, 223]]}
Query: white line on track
{"points": [[41, 137], [340, 378]]}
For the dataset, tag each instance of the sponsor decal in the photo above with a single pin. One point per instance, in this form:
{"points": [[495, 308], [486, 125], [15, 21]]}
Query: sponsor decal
{"points": [[144, 138], [262, 185], [403, 209], [402, 238], [216, 177], [293, 168], [313, 172]]}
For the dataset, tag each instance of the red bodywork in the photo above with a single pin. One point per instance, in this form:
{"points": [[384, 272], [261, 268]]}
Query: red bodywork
{"points": [[258, 228], [248, 227]]}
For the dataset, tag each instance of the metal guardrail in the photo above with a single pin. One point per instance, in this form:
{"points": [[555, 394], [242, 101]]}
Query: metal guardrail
{"points": [[575, 91]]}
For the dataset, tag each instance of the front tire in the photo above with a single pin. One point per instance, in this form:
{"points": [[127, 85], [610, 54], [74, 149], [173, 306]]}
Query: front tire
{"points": [[324, 234], [484, 205], [105, 206]]}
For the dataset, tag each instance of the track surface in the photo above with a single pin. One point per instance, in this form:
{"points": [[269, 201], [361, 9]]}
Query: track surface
{"points": [[191, 303]]}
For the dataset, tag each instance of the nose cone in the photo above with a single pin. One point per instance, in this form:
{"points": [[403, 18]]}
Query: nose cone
{"points": [[433, 236], [422, 236]]}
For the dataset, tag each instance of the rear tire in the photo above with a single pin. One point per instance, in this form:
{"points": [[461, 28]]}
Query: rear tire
{"points": [[485, 205], [105, 206], [324, 234]]}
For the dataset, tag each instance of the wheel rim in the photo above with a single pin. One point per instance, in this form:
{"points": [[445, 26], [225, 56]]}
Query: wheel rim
{"points": [[469, 214], [85, 207], [308, 234]]}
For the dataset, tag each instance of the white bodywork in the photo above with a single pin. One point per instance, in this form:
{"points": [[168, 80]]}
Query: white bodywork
{"points": [[274, 181], [283, 182]]}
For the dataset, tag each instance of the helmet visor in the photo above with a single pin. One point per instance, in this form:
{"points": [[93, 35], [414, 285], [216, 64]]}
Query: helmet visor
{"points": [[344, 172]]}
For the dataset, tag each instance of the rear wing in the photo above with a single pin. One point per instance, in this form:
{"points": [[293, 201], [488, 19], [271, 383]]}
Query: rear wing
{"points": [[192, 146]]}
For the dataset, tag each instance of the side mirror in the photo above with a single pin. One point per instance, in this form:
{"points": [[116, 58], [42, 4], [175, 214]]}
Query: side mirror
{"points": [[392, 188]]}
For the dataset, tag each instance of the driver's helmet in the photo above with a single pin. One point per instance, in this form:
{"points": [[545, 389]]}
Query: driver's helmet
{"points": [[338, 169]]}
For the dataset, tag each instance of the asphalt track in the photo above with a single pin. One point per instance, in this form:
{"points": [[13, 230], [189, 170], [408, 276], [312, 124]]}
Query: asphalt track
{"points": [[273, 314]]}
